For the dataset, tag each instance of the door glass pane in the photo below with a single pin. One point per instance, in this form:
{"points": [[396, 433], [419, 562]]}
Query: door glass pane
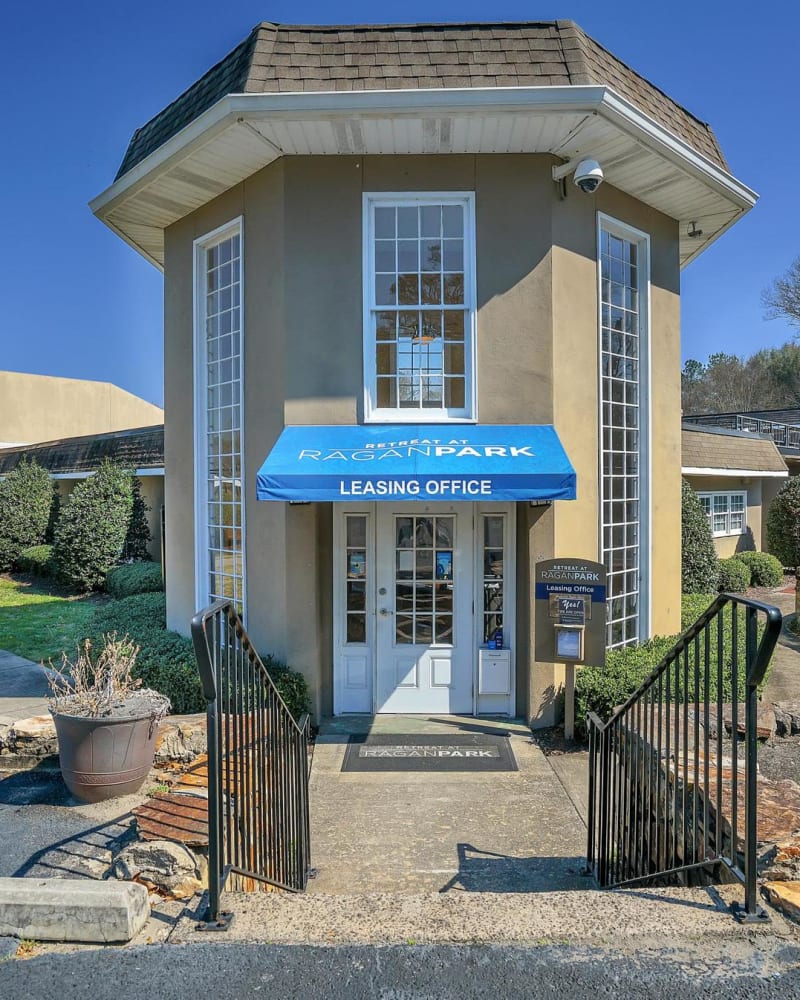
{"points": [[493, 578], [424, 575], [355, 569]]}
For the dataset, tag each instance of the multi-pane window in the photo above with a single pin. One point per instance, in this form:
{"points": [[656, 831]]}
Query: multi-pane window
{"points": [[420, 287], [623, 283], [219, 385], [726, 512]]}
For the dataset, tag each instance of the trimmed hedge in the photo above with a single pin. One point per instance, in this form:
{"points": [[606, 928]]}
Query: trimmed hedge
{"points": [[602, 689], [699, 563], [92, 526], [734, 575], [36, 560], [783, 524], [134, 578], [166, 660], [765, 570], [26, 496]]}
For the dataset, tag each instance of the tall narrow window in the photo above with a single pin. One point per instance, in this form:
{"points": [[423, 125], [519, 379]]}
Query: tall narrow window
{"points": [[420, 307], [218, 388], [623, 348]]}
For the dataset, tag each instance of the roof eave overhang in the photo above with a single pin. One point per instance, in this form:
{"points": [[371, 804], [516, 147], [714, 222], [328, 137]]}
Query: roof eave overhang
{"points": [[252, 126]]}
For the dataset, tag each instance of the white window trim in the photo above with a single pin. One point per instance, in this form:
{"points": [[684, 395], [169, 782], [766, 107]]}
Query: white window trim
{"points": [[627, 232], [201, 561], [710, 516], [372, 413]]}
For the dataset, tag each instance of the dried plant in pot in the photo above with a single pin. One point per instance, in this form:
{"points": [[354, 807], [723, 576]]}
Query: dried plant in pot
{"points": [[105, 721]]}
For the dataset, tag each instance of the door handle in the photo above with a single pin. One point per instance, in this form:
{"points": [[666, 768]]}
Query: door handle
{"points": [[385, 612]]}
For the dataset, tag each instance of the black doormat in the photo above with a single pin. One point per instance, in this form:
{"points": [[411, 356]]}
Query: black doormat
{"points": [[462, 752]]}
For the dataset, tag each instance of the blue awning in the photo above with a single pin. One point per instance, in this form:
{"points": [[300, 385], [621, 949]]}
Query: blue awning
{"points": [[417, 462]]}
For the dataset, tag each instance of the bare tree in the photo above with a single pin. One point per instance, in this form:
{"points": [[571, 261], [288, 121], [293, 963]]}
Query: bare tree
{"points": [[782, 298]]}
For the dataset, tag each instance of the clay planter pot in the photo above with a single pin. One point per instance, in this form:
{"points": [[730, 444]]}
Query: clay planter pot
{"points": [[107, 757]]}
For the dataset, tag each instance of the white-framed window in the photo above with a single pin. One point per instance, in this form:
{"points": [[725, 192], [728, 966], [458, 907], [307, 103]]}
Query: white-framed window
{"points": [[219, 496], [624, 280], [726, 512], [419, 307]]}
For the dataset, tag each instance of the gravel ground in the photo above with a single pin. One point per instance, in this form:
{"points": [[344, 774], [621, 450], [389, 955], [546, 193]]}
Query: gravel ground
{"points": [[780, 759]]}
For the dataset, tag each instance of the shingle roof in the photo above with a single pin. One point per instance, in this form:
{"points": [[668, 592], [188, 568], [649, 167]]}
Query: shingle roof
{"points": [[706, 448], [278, 58], [140, 448]]}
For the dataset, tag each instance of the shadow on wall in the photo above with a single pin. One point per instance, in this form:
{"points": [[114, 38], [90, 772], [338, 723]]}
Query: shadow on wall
{"points": [[746, 542], [551, 708]]}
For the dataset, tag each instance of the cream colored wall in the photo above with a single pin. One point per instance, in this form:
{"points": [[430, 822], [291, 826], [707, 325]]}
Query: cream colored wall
{"points": [[537, 363], [729, 545], [37, 408]]}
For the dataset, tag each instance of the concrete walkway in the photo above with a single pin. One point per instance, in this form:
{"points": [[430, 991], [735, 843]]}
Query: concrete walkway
{"points": [[783, 683], [423, 832], [23, 688]]}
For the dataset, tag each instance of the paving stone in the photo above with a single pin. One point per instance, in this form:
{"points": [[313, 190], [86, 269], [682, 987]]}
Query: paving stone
{"points": [[32, 738], [787, 717], [181, 738]]}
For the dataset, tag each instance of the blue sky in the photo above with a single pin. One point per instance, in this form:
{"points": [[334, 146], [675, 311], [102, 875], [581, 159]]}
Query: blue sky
{"points": [[79, 78]]}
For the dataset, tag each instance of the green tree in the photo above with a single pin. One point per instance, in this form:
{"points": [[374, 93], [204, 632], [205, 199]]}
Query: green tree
{"points": [[699, 563], [91, 530], [783, 529], [26, 495], [138, 536]]}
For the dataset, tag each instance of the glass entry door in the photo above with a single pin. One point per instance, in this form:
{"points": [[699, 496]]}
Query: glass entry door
{"points": [[424, 627]]}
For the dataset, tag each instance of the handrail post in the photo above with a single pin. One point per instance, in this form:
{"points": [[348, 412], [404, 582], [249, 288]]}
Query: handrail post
{"points": [[751, 912], [215, 918]]}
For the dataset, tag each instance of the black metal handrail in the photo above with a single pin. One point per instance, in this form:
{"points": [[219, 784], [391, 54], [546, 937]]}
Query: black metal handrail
{"points": [[659, 805], [258, 807]]}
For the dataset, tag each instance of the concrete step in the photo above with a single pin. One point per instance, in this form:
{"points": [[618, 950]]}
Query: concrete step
{"points": [[581, 916]]}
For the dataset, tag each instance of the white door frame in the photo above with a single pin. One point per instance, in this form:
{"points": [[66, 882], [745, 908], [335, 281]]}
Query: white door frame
{"points": [[353, 663]]}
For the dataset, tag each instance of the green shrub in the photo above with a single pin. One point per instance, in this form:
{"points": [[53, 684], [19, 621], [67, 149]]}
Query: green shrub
{"points": [[134, 578], [734, 575], [699, 563], [166, 660], [783, 524], [26, 495], [55, 513], [692, 606], [91, 530], [138, 537], [37, 560], [765, 570]]}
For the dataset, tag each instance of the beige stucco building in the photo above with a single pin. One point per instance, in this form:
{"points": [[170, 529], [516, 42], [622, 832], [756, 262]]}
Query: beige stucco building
{"points": [[36, 408], [373, 233]]}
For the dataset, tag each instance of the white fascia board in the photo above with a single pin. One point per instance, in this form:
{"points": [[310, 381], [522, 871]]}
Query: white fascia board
{"points": [[330, 105], [728, 473]]}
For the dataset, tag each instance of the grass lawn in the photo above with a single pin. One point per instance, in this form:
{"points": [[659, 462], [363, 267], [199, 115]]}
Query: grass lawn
{"points": [[38, 619]]}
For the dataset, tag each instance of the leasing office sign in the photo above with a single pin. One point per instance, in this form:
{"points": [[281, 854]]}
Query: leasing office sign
{"points": [[379, 462], [570, 594]]}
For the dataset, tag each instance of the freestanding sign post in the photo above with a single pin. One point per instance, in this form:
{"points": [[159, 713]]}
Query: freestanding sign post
{"points": [[570, 599]]}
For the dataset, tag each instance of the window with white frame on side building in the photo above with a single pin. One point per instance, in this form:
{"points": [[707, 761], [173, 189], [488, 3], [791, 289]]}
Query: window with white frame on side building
{"points": [[726, 511], [219, 506], [420, 307], [623, 273]]}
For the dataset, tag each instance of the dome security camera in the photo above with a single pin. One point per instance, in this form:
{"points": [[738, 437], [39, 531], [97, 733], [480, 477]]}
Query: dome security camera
{"points": [[588, 176]]}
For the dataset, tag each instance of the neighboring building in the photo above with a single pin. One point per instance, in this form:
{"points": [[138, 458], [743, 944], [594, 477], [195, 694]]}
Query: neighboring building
{"points": [[736, 475], [72, 460], [46, 408], [380, 277], [783, 426]]}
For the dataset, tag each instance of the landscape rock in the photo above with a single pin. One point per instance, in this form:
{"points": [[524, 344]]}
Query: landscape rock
{"points": [[164, 865], [787, 718], [781, 863], [32, 739], [784, 896], [181, 738]]}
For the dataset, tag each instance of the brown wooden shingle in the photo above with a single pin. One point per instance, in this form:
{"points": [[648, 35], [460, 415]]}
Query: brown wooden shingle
{"points": [[283, 58]]}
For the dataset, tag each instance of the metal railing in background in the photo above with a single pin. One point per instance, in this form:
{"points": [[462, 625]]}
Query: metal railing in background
{"points": [[667, 799], [784, 435], [258, 807]]}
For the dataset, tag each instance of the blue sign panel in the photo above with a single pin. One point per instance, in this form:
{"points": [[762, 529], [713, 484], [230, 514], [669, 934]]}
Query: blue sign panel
{"points": [[505, 462]]}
